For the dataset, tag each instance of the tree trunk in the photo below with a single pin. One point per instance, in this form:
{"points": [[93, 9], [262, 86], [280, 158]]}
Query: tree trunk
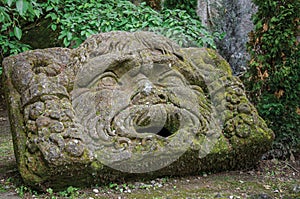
{"points": [[232, 17]]}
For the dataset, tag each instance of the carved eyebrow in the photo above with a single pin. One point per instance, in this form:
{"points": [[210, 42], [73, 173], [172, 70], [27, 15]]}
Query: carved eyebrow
{"points": [[120, 68], [91, 70], [99, 65]]}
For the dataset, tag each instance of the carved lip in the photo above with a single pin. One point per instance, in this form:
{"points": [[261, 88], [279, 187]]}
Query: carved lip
{"points": [[162, 120], [170, 123]]}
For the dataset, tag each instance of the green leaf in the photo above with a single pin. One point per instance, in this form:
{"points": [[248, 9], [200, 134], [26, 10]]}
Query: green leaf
{"points": [[69, 35], [53, 27], [89, 33], [274, 19], [37, 13], [48, 8], [9, 2], [66, 42], [52, 15], [18, 32], [22, 6]]}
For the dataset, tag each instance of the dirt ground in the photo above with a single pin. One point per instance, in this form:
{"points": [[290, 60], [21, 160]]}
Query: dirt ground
{"points": [[270, 179]]}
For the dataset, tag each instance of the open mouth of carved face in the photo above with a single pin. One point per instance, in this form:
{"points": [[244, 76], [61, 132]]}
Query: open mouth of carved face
{"points": [[147, 137], [137, 121]]}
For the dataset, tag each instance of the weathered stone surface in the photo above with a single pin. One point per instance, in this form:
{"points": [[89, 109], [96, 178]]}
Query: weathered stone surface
{"points": [[128, 104]]}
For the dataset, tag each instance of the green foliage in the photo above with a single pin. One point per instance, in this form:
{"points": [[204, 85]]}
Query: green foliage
{"points": [[22, 191], [189, 5], [273, 79], [13, 14], [78, 19], [70, 192]]}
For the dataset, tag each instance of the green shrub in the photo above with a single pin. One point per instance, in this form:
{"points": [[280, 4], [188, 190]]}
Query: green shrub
{"points": [[13, 15], [273, 78], [79, 19]]}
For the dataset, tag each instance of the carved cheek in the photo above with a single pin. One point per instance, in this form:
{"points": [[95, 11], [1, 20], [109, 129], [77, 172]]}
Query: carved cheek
{"points": [[182, 94]]}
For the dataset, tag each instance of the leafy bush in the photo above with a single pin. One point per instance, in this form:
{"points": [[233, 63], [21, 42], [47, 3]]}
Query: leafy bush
{"points": [[79, 19], [13, 14], [273, 79]]}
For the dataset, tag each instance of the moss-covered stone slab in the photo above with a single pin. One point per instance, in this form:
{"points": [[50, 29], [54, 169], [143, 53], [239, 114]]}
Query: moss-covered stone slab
{"points": [[125, 105]]}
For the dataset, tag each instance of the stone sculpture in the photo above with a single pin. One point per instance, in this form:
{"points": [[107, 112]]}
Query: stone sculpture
{"points": [[128, 104]]}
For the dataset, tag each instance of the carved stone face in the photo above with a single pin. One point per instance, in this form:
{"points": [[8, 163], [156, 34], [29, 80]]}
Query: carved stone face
{"points": [[133, 110], [129, 102]]}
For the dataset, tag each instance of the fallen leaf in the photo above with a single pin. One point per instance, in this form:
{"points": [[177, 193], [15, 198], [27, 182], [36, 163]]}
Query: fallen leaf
{"points": [[265, 75], [265, 27], [279, 93]]}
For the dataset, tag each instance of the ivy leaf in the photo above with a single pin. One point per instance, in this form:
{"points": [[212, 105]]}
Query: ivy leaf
{"points": [[18, 32]]}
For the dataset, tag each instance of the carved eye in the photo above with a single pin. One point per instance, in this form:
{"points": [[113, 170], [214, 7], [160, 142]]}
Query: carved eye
{"points": [[108, 81]]}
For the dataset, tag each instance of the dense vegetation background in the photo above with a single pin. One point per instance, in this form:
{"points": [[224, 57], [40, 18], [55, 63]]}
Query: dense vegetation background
{"points": [[273, 69], [273, 79]]}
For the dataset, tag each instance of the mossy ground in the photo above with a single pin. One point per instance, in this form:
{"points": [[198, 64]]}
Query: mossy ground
{"points": [[273, 178]]}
